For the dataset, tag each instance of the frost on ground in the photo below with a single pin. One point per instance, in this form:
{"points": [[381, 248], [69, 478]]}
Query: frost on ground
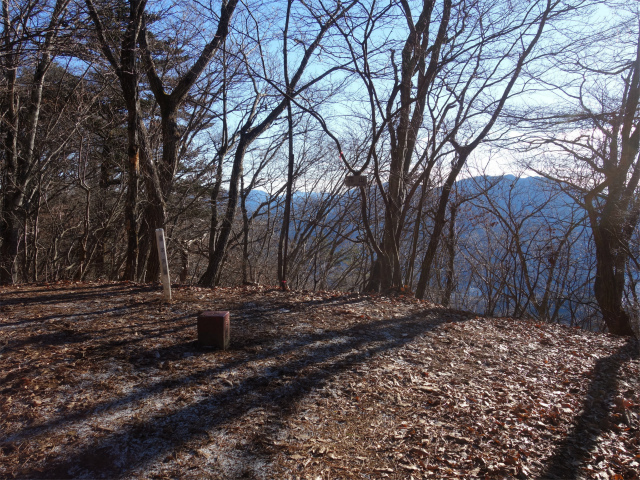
{"points": [[103, 380]]}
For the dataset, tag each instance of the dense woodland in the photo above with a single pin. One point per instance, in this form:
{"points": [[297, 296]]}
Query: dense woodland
{"points": [[233, 126]]}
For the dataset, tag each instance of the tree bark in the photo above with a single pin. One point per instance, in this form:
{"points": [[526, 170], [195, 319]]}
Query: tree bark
{"points": [[438, 225], [451, 252]]}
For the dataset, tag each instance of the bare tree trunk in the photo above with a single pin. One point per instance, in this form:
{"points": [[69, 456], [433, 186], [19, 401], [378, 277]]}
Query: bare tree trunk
{"points": [[416, 234], [184, 257], [283, 244], [609, 282], [215, 259], [451, 253], [36, 227], [84, 240], [245, 236], [131, 211], [438, 225]]}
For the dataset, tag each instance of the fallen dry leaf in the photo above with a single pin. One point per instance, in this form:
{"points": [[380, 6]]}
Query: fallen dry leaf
{"points": [[105, 380]]}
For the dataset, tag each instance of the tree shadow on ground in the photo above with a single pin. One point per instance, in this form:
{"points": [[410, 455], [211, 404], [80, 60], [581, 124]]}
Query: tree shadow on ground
{"points": [[33, 293], [312, 359], [94, 344], [63, 298], [596, 418]]}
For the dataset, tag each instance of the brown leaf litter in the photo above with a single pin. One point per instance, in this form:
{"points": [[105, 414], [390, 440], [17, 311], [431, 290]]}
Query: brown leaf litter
{"points": [[103, 380]]}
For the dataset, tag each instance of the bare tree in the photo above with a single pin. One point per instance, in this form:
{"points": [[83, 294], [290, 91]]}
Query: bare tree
{"points": [[433, 104], [593, 147], [30, 35], [539, 228], [528, 30], [161, 174], [125, 66], [324, 20]]}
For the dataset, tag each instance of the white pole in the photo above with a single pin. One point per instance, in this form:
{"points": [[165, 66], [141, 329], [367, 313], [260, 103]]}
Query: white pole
{"points": [[164, 264]]}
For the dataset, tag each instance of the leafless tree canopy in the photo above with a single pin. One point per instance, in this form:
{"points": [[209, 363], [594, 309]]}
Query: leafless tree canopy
{"points": [[233, 125]]}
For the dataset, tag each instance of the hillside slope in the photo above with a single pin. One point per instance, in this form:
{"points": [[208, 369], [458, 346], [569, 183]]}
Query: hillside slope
{"points": [[103, 380]]}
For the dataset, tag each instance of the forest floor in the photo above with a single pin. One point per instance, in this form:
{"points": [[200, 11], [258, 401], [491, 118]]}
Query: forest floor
{"points": [[104, 380]]}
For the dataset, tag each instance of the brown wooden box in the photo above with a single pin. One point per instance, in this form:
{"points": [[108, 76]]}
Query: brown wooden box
{"points": [[214, 329]]}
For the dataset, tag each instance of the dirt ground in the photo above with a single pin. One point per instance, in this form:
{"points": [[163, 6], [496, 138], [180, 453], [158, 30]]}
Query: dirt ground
{"points": [[104, 380]]}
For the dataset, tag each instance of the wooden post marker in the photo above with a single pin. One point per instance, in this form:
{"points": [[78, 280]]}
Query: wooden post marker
{"points": [[164, 264], [214, 329]]}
